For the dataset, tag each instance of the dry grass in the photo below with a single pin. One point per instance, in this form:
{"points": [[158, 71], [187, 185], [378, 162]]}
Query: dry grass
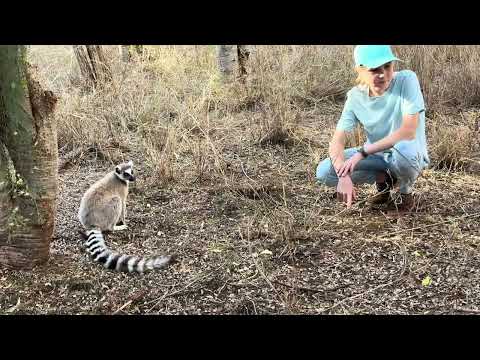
{"points": [[226, 181], [171, 102]]}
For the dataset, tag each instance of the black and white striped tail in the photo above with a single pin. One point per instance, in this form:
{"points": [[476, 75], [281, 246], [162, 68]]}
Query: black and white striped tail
{"points": [[95, 244]]}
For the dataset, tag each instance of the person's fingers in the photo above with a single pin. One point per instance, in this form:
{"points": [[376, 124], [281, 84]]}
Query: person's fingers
{"points": [[344, 169], [349, 200]]}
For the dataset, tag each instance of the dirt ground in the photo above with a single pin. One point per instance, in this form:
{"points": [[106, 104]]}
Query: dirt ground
{"points": [[273, 243]]}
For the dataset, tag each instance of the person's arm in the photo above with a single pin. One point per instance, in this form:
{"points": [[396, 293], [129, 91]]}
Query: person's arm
{"points": [[406, 131], [345, 189], [336, 149]]}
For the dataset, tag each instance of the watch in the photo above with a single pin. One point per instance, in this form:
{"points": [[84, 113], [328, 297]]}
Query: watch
{"points": [[362, 151]]}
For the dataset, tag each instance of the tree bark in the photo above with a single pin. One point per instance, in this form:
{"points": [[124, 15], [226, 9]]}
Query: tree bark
{"points": [[226, 59], [28, 163], [243, 54], [231, 57], [93, 64], [126, 54]]}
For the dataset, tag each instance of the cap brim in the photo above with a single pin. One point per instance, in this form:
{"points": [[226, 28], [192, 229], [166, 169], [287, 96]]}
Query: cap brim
{"points": [[379, 62]]}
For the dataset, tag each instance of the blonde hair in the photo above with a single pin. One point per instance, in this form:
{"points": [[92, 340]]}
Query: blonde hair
{"points": [[360, 79]]}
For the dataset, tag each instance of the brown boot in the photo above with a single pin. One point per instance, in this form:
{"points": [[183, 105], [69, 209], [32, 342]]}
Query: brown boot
{"points": [[404, 203], [383, 189], [380, 198]]}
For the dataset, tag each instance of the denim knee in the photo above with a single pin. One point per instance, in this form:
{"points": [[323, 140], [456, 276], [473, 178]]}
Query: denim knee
{"points": [[406, 160], [324, 173]]}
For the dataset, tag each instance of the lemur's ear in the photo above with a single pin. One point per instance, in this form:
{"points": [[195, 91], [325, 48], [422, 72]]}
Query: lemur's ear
{"points": [[117, 170], [130, 163]]}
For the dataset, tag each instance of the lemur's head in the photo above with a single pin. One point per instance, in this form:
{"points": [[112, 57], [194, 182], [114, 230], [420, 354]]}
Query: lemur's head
{"points": [[124, 171]]}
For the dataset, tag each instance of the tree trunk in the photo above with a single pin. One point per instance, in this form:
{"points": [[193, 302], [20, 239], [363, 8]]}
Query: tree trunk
{"points": [[231, 56], [93, 64], [243, 53], [226, 60], [139, 49], [126, 54], [28, 163]]}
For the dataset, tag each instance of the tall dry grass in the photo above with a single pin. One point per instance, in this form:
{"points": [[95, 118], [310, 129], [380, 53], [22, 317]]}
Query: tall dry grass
{"points": [[172, 105]]}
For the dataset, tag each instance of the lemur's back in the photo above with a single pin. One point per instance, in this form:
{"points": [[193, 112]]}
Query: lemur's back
{"points": [[101, 204]]}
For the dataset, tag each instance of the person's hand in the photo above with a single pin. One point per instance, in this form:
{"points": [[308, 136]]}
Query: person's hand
{"points": [[346, 191], [349, 165]]}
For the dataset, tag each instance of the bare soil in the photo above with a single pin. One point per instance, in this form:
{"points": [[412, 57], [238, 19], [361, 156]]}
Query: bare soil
{"points": [[270, 241]]}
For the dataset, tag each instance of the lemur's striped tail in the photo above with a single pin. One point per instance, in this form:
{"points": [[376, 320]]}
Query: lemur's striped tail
{"points": [[95, 245]]}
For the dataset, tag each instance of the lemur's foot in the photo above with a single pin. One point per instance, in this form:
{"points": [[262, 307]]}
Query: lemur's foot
{"points": [[120, 227]]}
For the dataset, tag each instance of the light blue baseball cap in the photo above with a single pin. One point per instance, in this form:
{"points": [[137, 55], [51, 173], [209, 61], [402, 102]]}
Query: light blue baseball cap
{"points": [[373, 56]]}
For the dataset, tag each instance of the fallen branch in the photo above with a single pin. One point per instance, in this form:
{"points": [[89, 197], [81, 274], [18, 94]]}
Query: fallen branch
{"points": [[133, 298], [182, 290], [474, 311], [431, 225], [309, 289], [363, 293]]}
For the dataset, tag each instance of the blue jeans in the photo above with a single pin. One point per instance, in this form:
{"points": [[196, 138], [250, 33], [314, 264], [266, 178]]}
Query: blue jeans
{"points": [[403, 161]]}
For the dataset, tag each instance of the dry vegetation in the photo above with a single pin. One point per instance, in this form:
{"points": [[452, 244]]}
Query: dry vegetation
{"points": [[226, 182]]}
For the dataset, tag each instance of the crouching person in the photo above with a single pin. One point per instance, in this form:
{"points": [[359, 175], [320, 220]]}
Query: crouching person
{"points": [[389, 106]]}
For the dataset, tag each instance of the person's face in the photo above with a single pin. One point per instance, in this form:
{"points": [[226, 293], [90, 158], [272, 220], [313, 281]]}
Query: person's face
{"points": [[379, 78]]}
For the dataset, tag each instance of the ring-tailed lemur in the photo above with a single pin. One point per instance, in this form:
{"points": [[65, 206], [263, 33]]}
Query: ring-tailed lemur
{"points": [[102, 209]]}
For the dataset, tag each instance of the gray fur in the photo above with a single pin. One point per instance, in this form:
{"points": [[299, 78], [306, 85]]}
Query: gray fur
{"points": [[103, 208]]}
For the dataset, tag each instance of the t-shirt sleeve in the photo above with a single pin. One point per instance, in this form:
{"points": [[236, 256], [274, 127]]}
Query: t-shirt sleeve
{"points": [[348, 121], [412, 98]]}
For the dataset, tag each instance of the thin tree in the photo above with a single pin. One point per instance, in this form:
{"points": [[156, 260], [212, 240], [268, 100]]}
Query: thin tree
{"points": [[28, 162], [93, 64], [231, 58], [126, 51]]}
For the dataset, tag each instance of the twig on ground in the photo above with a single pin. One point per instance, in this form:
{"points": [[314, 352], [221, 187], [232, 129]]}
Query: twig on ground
{"points": [[363, 293], [309, 289], [431, 225], [182, 290], [474, 311]]}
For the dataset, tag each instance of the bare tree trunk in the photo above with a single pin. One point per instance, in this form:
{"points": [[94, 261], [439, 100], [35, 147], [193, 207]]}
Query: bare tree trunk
{"points": [[126, 54], [84, 63], [243, 54], [28, 163], [93, 64], [139, 49], [226, 59], [231, 57]]}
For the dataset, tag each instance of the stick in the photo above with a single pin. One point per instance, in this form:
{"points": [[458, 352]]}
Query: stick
{"points": [[431, 225], [122, 307], [309, 289], [475, 311], [363, 293]]}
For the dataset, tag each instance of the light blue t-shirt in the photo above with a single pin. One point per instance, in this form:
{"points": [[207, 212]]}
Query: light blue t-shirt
{"points": [[382, 115]]}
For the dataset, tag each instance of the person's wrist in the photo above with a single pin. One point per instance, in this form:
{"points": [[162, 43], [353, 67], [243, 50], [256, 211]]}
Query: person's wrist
{"points": [[363, 152]]}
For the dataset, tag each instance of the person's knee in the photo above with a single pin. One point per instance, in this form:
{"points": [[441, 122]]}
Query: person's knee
{"points": [[324, 172], [406, 160]]}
